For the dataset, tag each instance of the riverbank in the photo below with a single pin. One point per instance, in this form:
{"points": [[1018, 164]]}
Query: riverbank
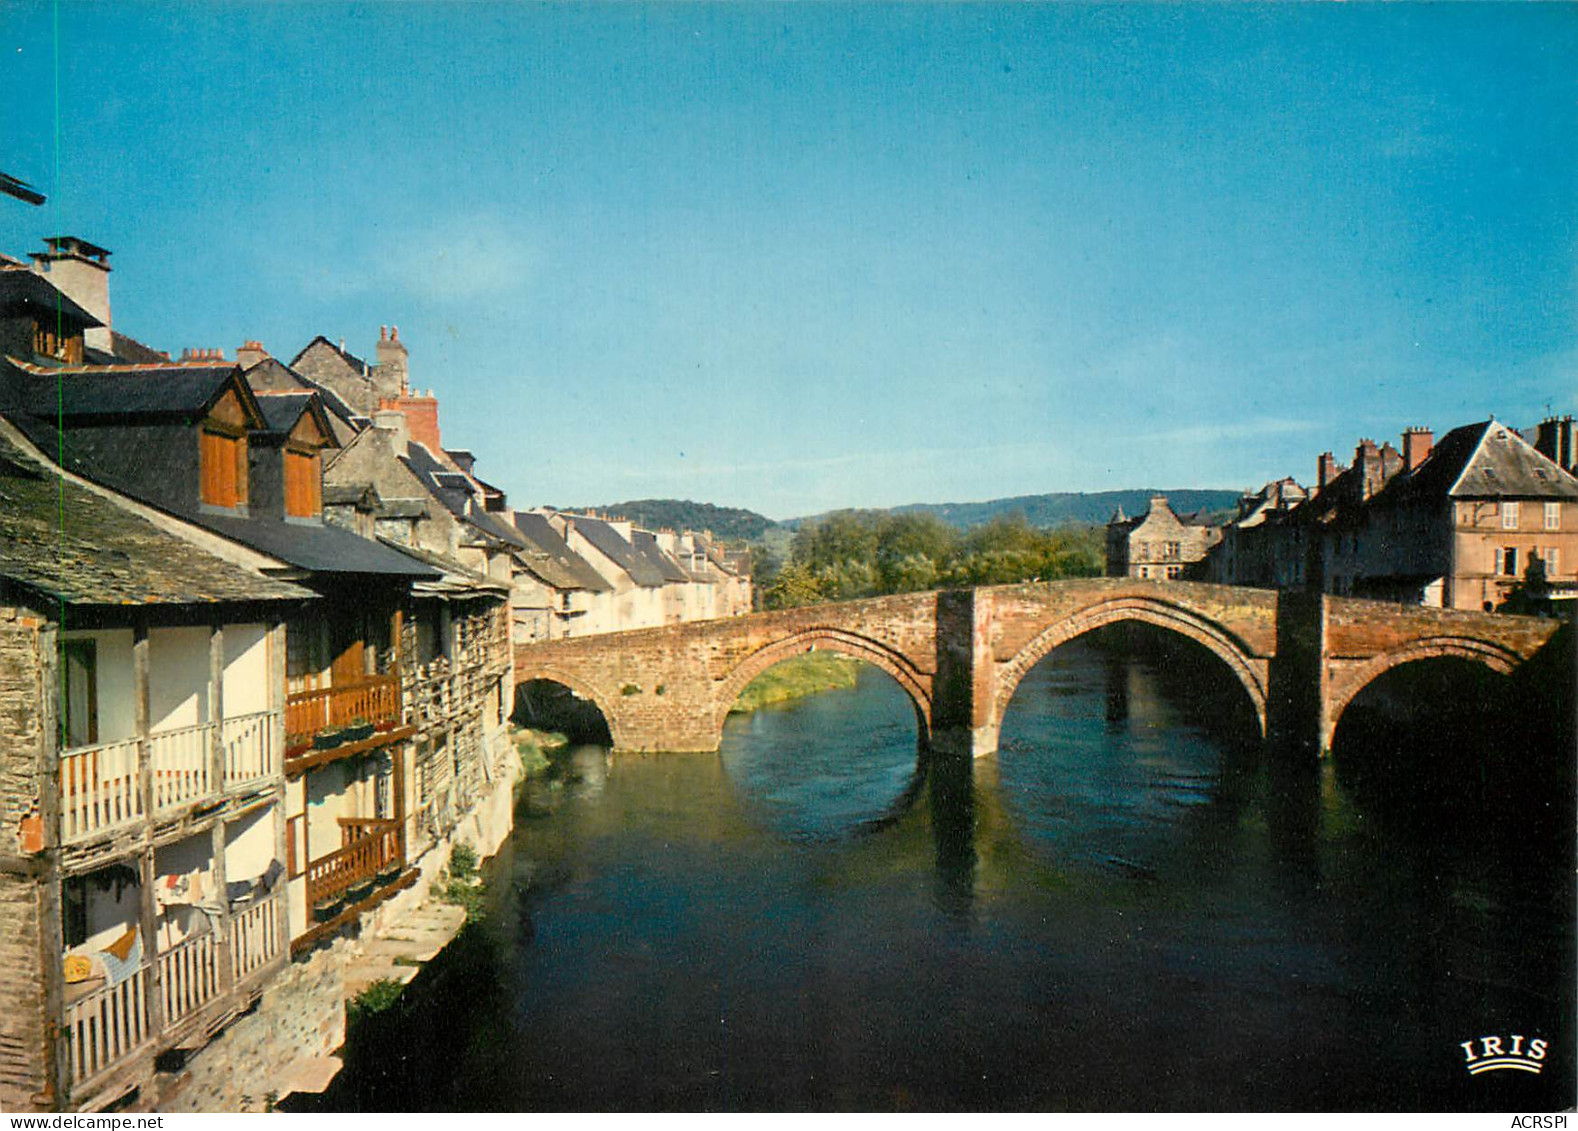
{"points": [[797, 677]]}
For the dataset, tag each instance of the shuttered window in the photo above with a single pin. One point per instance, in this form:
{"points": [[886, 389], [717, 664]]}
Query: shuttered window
{"points": [[303, 485], [224, 469]]}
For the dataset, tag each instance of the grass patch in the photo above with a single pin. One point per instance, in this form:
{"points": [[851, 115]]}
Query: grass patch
{"points": [[461, 884], [376, 998], [796, 678]]}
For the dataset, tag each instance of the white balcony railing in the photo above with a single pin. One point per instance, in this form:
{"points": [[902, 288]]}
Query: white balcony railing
{"points": [[98, 789], [188, 976], [181, 765], [107, 1026], [255, 934], [98, 784], [251, 748]]}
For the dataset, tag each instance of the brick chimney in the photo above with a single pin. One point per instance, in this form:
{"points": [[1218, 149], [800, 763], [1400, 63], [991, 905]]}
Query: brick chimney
{"points": [[1326, 470], [391, 376], [1368, 462], [1557, 440], [1416, 446], [250, 354], [80, 271]]}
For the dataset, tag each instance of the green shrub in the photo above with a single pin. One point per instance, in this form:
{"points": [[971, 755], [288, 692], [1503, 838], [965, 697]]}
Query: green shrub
{"points": [[376, 998]]}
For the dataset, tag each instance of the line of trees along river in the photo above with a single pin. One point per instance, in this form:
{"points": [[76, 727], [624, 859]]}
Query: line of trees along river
{"points": [[854, 554], [1125, 907]]}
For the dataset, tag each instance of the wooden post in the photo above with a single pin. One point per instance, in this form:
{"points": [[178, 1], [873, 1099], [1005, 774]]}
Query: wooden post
{"points": [[223, 943], [399, 754], [276, 704], [149, 912], [216, 708]]}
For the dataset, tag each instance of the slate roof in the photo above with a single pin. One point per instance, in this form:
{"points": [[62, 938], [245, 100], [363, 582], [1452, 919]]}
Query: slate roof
{"points": [[84, 392], [281, 411], [456, 578], [64, 539], [24, 290], [1484, 460], [453, 490], [549, 556], [612, 545], [315, 547], [647, 545]]}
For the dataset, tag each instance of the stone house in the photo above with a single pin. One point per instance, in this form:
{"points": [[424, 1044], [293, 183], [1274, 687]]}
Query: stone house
{"points": [[142, 782], [1457, 523], [1158, 544]]}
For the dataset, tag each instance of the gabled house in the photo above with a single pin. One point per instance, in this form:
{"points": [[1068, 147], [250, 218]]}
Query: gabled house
{"points": [[195, 442], [142, 782], [1158, 544], [555, 592]]}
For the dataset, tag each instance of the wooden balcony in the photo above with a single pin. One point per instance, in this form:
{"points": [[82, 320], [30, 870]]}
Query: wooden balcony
{"points": [[108, 1026], [99, 789], [373, 700], [371, 850]]}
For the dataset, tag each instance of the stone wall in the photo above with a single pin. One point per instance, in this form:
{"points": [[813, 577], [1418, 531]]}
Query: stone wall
{"points": [[29, 915], [300, 1016]]}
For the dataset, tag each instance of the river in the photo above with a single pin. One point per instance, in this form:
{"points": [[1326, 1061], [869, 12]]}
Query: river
{"points": [[1129, 910]]}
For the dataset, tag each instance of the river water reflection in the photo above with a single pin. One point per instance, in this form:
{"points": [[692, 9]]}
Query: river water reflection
{"points": [[1132, 913]]}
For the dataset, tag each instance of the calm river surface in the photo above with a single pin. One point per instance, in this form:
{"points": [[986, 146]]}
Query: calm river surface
{"points": [[1129, 911]]}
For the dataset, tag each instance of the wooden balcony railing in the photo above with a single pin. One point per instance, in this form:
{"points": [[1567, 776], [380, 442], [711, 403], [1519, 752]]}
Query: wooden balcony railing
{"points": [[252, 751], [189, 976], [375, 699], [255, 935], [98, 789], [182, 760], [356, 863], [107, 1026]]}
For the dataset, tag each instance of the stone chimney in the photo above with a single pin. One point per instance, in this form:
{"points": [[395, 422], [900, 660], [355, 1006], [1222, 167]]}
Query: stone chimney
{"points": [[1416, 446], [391, 376], [1557, 441], [394, 423], [1326, 470], [250, 354], [80, 271]]}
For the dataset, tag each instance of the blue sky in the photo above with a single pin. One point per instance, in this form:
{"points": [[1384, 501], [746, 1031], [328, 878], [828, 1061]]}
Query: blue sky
{"points": [[800, 257]]}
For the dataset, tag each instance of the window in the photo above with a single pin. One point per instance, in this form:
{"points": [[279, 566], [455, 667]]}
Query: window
{"points": [[1509, 516], [1552, 562], [1507, 561], [1553, 516], [79, 694], [223, 460], [303, 485], [1174, 549]]}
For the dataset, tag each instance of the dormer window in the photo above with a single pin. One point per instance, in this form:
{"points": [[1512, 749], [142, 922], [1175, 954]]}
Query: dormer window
{"points": [[303, 483], [61, 341], [223, 459]]}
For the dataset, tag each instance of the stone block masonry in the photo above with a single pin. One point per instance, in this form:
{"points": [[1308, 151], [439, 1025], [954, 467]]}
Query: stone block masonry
{"points": [[960, 655]]}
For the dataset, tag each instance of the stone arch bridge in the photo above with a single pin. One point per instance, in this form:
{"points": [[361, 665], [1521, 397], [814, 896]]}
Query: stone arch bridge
{"points": [[960, 654]]}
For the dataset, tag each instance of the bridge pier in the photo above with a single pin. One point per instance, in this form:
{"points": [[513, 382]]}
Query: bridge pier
{"points": [[1296, 692]]}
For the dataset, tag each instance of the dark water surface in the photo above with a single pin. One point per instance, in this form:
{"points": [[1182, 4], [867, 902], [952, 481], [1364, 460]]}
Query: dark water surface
{"points": [[1130, 910]]}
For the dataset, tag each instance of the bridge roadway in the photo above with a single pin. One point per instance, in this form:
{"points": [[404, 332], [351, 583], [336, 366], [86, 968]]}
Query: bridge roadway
{"points": [[960, 654]]}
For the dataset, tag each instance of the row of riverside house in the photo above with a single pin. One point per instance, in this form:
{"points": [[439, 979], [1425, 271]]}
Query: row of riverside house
{"points": [[1485, 519], [255, 675]]}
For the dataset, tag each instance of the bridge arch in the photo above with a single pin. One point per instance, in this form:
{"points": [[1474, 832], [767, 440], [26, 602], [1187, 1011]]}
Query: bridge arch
{"points": [[1146, 610], [1346, 687], [915, 684], [557, 674]]}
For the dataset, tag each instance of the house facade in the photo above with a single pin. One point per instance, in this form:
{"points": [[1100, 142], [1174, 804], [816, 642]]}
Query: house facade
{"points": [[1159, 544]]}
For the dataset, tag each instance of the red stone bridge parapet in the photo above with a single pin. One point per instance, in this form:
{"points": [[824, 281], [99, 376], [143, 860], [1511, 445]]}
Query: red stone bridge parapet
{"points": [[960, 654]]}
